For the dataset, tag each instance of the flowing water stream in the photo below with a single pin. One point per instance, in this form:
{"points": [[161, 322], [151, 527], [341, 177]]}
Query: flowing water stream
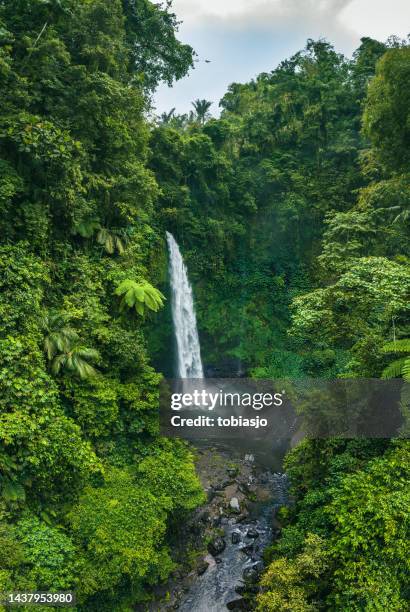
{"points": [[189, 364], [215, 591]]}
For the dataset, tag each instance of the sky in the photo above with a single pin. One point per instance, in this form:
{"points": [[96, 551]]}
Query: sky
{"points": [[237, 39]]}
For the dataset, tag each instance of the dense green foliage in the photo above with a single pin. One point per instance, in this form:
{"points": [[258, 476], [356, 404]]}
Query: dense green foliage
{"points": [[83, 473], [292, 211]]}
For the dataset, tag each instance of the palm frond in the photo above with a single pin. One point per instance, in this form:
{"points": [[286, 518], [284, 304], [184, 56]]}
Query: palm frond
{"points": [[85, 370], [83, 352], [58, 335], [58, 362]]}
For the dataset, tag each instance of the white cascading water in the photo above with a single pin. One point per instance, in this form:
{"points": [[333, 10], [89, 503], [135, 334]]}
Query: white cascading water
{"points": [[183, 315]]}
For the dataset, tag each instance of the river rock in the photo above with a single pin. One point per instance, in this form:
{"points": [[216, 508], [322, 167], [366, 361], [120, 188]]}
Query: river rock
{"points": [[247, 549], [252, 533], [234, 505], [252, 573], [202, 567], [237, 604], [216, 546], [236, 537]]}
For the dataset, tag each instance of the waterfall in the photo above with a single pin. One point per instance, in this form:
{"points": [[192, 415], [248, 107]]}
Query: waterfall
{"points": [[183, 315]]}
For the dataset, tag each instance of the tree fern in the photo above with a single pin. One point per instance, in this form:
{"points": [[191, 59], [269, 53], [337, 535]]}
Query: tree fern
{"points": [[139, 296], [112, 240]]}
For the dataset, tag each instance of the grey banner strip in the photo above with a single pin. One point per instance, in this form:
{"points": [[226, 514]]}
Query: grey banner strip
{"points": [[242, 408]]}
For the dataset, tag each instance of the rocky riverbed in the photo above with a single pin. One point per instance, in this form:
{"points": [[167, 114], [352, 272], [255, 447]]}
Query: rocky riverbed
{"points": [[226, 537]]}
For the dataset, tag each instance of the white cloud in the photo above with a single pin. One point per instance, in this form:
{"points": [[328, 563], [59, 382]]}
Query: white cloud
{"points": [[245, 37], [377, 18], [256, 10]]}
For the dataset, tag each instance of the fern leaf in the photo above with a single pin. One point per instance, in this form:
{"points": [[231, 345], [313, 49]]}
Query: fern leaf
{"points": [[139, 307], [150, 302], [129, 298], [406, 370], [139, 292], [394, 370], [397, 346]]}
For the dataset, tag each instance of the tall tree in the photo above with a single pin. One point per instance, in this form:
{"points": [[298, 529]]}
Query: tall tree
{"points": [[202, 109]]}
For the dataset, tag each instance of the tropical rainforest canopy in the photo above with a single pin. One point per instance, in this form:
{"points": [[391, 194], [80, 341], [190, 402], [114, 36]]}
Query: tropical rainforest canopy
{"points": [[292, 210]]}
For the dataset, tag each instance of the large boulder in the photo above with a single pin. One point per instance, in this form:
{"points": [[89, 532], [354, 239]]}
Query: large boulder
{"points": [[216, 546], [252, 573], [234, 505], [202, 567]]}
